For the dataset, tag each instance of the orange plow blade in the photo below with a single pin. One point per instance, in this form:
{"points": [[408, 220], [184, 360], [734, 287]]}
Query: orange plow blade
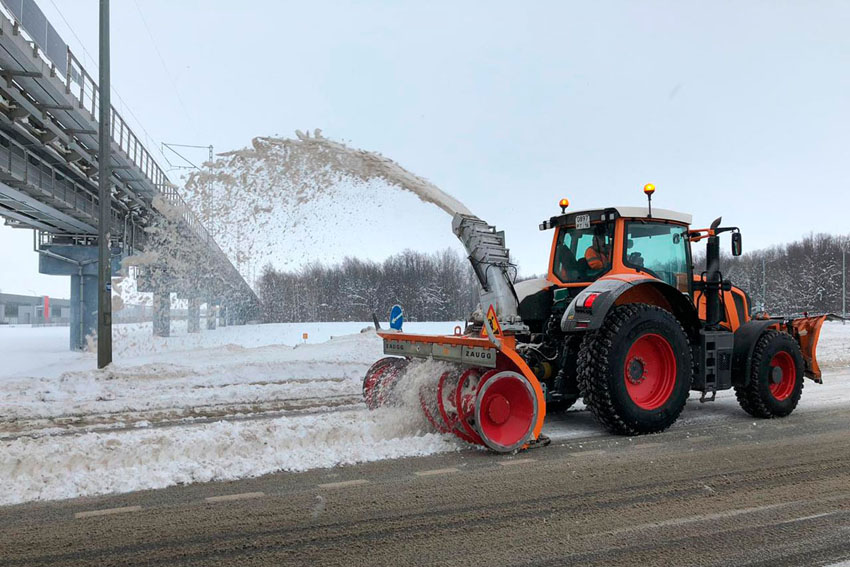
{"points": [[807, 332], [488, 397]]}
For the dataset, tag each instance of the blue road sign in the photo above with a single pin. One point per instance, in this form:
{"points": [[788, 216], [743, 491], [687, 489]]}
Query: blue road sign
{"points": [[396, 317]]}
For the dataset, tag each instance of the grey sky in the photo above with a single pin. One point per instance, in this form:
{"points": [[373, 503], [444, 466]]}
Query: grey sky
{"points": [[740, 109]]}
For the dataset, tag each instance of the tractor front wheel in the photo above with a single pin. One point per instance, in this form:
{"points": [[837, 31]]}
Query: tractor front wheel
{"points": [[634, 372], [776, 377]]}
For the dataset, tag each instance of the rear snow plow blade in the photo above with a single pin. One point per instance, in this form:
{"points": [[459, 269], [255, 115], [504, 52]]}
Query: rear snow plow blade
{"points": [[489, 397], [806, 331]]}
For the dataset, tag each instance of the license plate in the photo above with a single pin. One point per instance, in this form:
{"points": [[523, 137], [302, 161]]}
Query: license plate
{"points": [[582, 221]]}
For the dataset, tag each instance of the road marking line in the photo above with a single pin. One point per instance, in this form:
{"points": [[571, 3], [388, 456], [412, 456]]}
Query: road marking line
{"points": [[676, 522], [516, 462], [647, 445], [107, 511], [590, 453], [344, 483], [230, 497], [812, 517], [435, 471]]}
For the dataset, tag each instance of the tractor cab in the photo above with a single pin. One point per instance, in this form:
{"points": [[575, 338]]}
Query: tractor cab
{"points": [[588, 245], [635, 242]]}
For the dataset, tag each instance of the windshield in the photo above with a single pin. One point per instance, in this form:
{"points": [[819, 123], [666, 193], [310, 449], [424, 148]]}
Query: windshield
{"points": [[582, 255], [659, 249]]}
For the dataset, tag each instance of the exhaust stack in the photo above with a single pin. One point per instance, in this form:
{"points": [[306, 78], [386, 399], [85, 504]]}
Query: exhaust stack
{"points": [[491, 261]]}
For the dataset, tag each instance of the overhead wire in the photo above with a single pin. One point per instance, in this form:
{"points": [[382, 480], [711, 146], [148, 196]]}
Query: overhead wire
{"points": [[186, 113], [125, 106]]}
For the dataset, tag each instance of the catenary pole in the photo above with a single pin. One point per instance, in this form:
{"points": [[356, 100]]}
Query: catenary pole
{"points": [[104, 171], [763, 286]]}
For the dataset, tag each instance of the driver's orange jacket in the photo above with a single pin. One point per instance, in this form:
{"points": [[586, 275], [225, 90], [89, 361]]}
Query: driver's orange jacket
{"points": [[596, 260]]}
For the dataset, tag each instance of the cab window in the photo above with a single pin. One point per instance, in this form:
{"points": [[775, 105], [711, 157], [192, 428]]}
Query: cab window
{"points": [[659, 249], [582, 255]]}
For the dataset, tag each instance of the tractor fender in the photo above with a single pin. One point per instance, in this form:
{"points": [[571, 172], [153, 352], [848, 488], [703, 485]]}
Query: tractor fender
{"points": [[622, 289], [746, 338]]}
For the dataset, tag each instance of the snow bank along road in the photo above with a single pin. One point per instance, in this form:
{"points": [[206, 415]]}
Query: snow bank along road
{"points": [[246, 401]]}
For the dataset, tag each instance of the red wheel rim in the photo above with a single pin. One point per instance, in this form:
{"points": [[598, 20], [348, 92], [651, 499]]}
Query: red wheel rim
{"points": [[505, 410], [782, 386], [467, 389], [650, 371], [428, 401]]}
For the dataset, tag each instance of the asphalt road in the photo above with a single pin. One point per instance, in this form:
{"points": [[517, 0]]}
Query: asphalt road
{"points": [[736, 491]]}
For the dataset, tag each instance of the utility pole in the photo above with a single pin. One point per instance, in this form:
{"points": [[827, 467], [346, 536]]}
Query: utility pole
{"points": [[844, 283], [104, 221], [763, 286], [208, 220]]}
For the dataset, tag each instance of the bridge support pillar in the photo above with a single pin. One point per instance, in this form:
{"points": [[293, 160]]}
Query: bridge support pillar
{"points": [[83, 310], [211, 315], [161, 313], [79, 262], [194, 315]]}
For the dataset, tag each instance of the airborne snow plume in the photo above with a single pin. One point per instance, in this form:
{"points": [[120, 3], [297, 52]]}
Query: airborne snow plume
{"points": [[296, 201]]}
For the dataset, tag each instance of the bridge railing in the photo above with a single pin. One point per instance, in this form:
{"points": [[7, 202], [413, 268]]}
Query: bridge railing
{"points": [[23, 166], [28, 18], [82, 86]]}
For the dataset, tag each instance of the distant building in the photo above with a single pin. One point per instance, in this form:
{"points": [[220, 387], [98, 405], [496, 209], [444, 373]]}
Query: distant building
{"points": [[30, 309]]}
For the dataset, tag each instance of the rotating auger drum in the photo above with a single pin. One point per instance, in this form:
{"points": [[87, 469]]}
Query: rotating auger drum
{"points": [[499, 408]]}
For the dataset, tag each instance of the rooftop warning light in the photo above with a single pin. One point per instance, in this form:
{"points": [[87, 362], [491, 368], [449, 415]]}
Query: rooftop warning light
{"points": [[649, 189], [564, 203]]}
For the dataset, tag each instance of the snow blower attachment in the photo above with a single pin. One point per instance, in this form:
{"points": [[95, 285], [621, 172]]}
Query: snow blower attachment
{"points": [[489, 396], [621, 321]]}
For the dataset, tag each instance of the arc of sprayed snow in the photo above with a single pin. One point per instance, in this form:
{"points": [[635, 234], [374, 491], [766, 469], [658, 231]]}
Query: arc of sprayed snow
{"points": [[365, 165]]}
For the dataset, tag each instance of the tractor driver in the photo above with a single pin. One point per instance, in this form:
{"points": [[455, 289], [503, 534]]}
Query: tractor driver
{"points": [[598, 253]]}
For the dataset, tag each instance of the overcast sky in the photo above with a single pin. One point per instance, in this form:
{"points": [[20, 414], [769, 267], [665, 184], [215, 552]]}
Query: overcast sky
{"points": [[740, 109]]}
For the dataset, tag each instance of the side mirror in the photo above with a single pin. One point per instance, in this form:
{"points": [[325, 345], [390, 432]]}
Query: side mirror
{"points": [[736, 244]]}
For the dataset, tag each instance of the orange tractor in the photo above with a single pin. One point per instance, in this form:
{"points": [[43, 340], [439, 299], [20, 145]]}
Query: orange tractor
{"points": [[621, 321]]}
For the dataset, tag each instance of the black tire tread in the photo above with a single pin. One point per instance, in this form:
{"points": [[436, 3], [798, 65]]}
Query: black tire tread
{"points": [[750, 397], [594, 354]]}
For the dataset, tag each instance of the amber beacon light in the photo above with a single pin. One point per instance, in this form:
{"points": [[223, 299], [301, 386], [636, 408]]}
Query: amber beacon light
{"points": [[649, 189]]}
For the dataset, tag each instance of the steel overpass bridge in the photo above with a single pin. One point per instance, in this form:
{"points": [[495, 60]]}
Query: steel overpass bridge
{"points": [[48, 183]]}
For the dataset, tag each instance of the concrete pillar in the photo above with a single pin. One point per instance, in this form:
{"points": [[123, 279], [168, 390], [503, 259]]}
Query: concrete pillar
{"points": [[222, 315], [211, 315], [161, 313], [79, 262], [194, 315], [83, 309]]}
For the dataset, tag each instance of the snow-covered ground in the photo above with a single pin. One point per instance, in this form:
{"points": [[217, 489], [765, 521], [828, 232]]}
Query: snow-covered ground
{"points": [[235, 402]]}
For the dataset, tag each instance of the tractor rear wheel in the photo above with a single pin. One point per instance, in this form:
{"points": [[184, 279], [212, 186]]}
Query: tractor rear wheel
{"points": [[634, 372], [776, 377]]}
